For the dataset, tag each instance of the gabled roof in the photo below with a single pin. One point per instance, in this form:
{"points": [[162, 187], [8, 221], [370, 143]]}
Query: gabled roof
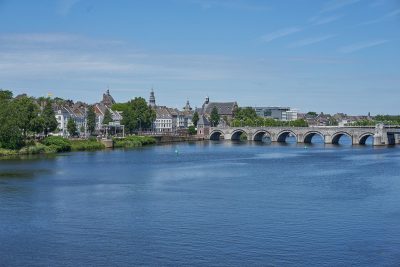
{"points": [[224, 108], [203, 121]]}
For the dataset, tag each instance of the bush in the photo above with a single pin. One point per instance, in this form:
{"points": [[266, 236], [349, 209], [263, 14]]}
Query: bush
{"points": [[192, 130], [57, 142], [133, 141], [85, 145], [33, 149], [7, 152]]}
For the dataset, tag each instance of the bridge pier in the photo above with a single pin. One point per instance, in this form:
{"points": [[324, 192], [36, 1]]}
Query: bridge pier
{"points": [[328, 139]]}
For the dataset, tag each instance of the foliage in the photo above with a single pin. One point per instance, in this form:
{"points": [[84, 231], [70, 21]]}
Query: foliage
{"points": [[49, 118], [107, 117], [364, 123], [245, 113], [91, 120], [71, 127], [7, 152], [138, 115], [10, 134], [86, 145], [36, 149], [312, 113], [59, 143], [192, 130], [195, 118], [5, 95], [133, 141], [214, 118], [243, 137], [120, 107]]}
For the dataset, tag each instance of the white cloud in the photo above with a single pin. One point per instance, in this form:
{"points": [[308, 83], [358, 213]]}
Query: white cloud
{"points": [[279, 34], [359, 46], [387, 16], [317, 20], [337, 4], [311, 41]]}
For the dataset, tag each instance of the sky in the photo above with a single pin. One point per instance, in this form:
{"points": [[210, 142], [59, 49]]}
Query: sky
{"points": [[324, 56]]}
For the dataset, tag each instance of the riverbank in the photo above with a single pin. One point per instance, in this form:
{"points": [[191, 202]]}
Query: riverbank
{"points": [[56, 144]]}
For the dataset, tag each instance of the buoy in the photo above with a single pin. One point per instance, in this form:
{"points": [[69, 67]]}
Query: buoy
{"points": [[305, 147], [176, 151]]}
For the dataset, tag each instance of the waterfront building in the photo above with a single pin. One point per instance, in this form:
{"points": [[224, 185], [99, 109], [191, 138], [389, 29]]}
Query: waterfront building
{"points": [[203, 126], [226, 110], [101, 108], [170, 119], [66, 112]]}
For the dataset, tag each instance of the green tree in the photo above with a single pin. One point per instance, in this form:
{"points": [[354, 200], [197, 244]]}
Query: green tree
{"points": [[107, 117], [71, 127], [312, 113], [138, 115], [195, 118], [91, 120], [10, 134], [245, 113], [192, 130], [49, 119], [5, 94], [214, 116], [27, 112]]}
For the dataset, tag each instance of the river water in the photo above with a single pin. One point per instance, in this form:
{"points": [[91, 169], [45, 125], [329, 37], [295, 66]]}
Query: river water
{"points": [[203, 204]]}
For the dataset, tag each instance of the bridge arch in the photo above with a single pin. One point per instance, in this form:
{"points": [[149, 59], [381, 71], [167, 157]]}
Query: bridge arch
{"points": [[336, 137], [216, 135], [237, 133], [363, 138], [282, 135], [259, 135], [309, 135]]}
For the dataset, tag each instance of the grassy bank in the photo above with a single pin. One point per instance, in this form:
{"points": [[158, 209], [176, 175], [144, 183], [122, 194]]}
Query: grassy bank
{"points": [[57, 144], [133, 141]]}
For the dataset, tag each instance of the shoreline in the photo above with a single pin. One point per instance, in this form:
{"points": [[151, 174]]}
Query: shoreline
{"points": [[82, 145]]}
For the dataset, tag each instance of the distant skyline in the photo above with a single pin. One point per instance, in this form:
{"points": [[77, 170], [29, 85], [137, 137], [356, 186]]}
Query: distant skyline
{"points": [[330, 56]]}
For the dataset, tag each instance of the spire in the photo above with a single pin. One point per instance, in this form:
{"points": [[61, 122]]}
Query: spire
{"points": [[152, 99]]}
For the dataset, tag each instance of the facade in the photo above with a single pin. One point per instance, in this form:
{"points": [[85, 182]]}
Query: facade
{"points": [[170, 120], [277, 113], [164, 121], [226, 110], [100, 110], [64, 113], [203, 126]]}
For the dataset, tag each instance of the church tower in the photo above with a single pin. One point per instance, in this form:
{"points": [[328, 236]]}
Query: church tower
{"points": [[152, 99]]}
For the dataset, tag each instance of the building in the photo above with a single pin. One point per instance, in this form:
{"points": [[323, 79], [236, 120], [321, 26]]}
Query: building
{"points": [[170, 120], [65, 112], [226, 110], [277, 113], [101, 108], [164, 121], [203, 126]]}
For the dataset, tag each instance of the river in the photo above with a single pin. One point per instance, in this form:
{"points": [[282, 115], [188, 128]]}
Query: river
{"points": [[203, 204]]}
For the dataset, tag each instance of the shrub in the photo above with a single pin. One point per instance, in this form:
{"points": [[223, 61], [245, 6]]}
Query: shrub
{"points": [[85, 145], [133, 141], [192, 130], [33, 149], [57, 142], [7, 152]]}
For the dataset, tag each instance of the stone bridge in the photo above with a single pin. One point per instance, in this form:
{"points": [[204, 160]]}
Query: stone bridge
{"points": [[382, 135]]}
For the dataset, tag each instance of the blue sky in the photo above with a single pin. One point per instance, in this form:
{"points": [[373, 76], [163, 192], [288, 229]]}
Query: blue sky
{"points": [[330, 56]]}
